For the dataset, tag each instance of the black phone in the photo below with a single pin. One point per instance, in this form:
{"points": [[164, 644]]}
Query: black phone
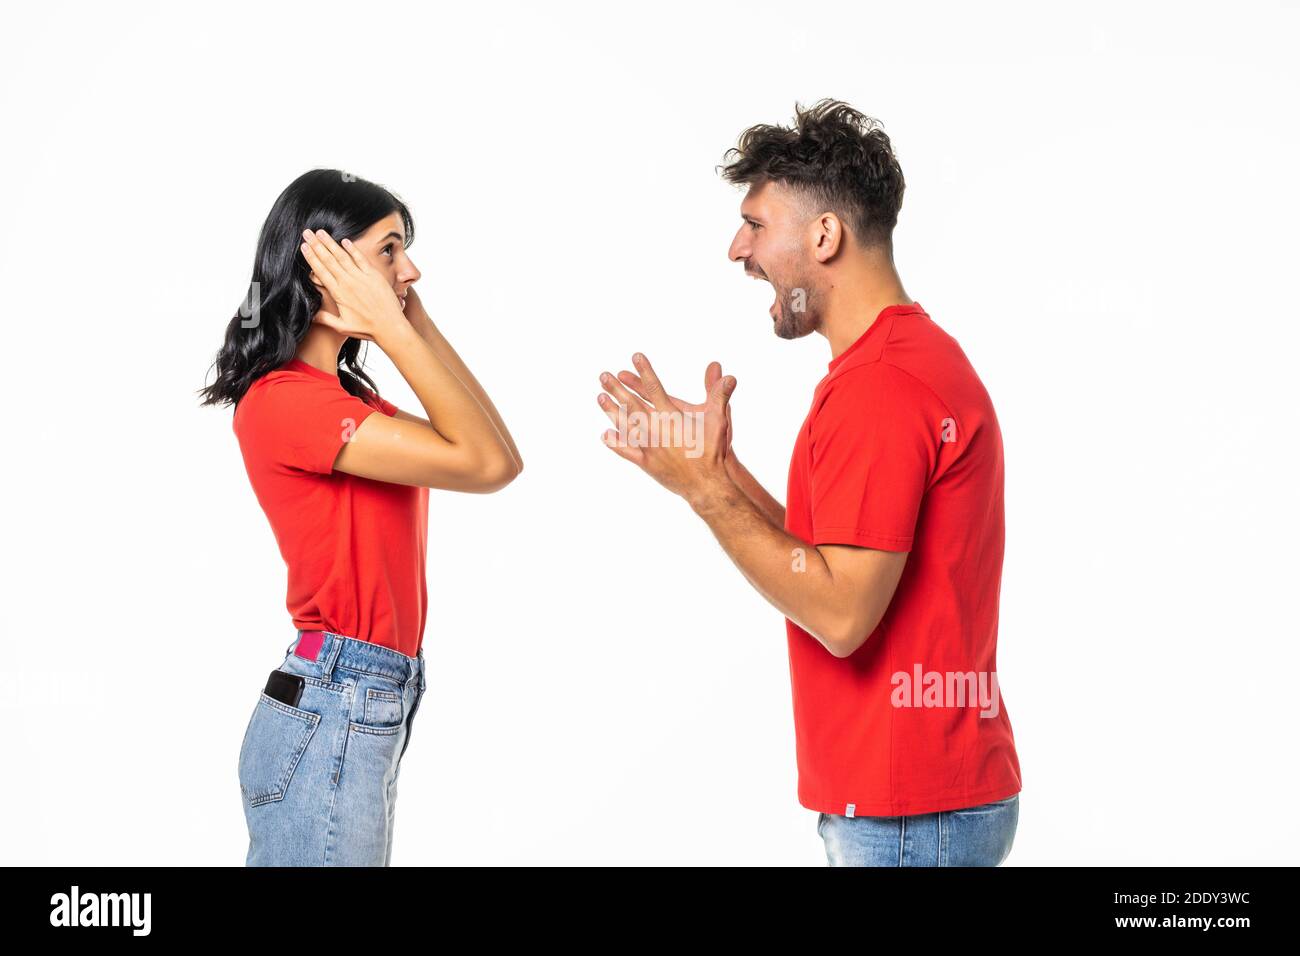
{"points": [[286, 688]]}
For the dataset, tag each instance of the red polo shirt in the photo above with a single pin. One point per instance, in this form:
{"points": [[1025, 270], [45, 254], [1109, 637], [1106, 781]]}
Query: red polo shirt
{"points": [[354, 547], [901, 451]]}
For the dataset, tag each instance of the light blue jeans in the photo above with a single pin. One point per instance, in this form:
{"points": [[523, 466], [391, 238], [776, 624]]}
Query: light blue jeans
{"points": [[972, 836], [319, 780]]}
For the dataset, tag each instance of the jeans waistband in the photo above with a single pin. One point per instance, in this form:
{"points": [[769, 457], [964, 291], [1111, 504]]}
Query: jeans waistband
{"points": [[331, 650]]}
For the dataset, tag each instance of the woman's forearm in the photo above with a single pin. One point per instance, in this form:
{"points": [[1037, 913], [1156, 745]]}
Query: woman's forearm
{"points": [[421, 322], [453, 410]]}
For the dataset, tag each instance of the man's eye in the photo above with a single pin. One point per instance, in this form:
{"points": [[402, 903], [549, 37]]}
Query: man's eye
{"points": [[752, 224]]}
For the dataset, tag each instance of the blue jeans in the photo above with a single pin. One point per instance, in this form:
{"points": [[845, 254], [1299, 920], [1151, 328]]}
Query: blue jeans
{"points": [[972, 836], [319, 780]]}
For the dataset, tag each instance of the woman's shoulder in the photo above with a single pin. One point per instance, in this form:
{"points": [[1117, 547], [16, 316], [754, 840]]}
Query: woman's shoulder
{"points": [[274, 392], [286, 394]]}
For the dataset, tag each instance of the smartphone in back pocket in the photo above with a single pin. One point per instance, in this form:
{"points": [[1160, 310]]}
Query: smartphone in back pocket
{"points": [[286, 688]]}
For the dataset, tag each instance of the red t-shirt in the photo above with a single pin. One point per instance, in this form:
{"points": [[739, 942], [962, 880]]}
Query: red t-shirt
{"points": [[901, 451], [354, 547]]}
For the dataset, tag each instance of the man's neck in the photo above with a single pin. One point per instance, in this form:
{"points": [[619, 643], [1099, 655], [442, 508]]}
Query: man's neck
{"points": [[857, 296]]}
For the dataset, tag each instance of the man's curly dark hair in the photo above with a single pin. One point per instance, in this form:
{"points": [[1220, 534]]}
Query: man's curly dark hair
{"points": [[840, 159]]}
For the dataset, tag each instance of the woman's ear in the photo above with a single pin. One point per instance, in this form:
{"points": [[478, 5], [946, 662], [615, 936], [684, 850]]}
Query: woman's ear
{"points": [[326, 300]]}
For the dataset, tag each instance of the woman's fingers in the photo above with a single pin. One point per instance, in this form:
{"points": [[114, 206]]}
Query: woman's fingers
{"points": [[319, 266], [345, 256], [355, 255], [332, 321], [329, 320], [327, 267], [328, 252]]}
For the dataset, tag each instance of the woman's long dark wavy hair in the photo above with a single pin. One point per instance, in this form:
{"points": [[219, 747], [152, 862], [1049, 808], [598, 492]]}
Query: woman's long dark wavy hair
{"points": [[277, 311]]}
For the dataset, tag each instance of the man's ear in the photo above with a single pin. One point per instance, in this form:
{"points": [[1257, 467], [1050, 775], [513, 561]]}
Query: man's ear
{"points": [[827, 233]]}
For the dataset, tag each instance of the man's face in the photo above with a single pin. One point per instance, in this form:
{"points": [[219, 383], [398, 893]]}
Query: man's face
{"points": [[773, 242]]}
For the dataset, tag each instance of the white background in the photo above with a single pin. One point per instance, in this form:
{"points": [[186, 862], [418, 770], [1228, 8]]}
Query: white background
{"points": [[1100, 206]]}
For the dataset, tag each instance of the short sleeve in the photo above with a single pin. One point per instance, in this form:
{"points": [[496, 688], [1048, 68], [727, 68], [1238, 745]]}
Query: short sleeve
{"points": [[874, 447], [386, 406], [300, 421]]}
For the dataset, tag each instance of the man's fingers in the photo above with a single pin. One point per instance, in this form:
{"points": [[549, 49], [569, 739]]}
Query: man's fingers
{"points": [[651, 387], [610, 408], [633, 381], [632, 433], [711, 375], [720, 394], [624, 397], [622, 449]]}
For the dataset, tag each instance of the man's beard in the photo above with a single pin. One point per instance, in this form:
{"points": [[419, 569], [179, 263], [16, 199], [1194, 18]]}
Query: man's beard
{"points": [[797, 310]]}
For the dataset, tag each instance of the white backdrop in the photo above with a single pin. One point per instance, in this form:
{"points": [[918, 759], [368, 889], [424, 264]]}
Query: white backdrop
{"points": [[1100, 207]]}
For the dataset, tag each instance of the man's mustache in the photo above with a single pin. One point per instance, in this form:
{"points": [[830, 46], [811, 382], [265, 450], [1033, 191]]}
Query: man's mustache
{"points": [[756, 273]]}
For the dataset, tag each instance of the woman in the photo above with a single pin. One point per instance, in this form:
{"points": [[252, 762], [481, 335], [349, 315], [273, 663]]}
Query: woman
{"points": [[346, 494]]}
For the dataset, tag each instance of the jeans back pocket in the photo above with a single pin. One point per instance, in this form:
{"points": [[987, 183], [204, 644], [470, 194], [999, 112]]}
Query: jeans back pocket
{"points": [[276, 738], [989, 807]]}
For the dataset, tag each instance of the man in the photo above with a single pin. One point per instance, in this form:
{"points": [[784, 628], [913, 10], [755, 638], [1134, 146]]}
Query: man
{"points": [[887, 559]]}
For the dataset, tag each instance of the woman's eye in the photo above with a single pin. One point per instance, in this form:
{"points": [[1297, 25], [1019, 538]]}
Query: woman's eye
{"points": [[388, 249]]}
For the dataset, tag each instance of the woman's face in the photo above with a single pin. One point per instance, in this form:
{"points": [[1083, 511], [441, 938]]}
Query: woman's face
{"points": [[384, 246]]}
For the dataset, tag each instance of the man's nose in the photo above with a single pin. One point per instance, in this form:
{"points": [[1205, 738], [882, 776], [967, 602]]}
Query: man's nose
{"points": [[739, 248]]}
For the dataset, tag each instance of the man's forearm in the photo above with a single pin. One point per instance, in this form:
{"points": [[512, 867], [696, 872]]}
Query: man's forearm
{"points": [[769, 506], [791, 574]]}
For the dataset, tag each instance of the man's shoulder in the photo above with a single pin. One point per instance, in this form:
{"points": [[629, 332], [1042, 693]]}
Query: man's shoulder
{"points": [[925, 351], [878, 378]]}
